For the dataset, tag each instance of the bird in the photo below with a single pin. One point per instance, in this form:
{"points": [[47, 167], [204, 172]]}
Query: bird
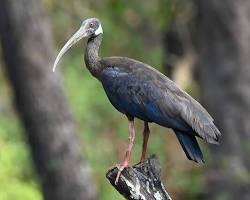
{"points": [[140, 91]]}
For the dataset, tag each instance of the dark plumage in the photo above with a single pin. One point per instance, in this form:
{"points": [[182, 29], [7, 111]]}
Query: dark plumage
{"points": [[138, 90]]}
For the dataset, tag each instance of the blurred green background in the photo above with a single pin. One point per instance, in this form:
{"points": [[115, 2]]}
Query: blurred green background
{"points": [[133, 29]]}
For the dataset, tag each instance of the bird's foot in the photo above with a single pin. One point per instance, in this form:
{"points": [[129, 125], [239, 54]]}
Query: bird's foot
{"points": [[120, 168]]}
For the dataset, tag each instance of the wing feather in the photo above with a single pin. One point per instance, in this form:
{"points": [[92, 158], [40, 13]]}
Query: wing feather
{"points": [[189, 110]]}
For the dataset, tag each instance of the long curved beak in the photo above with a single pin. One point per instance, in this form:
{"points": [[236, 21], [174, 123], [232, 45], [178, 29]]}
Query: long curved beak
{"points": [[81, 33]]}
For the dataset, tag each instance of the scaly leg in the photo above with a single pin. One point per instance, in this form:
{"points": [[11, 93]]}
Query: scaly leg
{"points": [[146, 132], [127, 156]]}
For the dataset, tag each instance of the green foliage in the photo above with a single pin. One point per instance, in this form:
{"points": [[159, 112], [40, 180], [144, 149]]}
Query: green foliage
{"points": [[17, 179]]}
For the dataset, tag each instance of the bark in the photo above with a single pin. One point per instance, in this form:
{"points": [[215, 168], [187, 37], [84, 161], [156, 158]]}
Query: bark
{"points": [[28, 52], [141, 181], [222, 38]]}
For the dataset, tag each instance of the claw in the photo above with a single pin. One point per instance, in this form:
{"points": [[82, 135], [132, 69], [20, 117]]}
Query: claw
{"points": [[120, 169]]}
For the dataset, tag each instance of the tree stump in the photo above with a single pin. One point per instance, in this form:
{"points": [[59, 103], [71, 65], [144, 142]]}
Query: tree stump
{"points": [[140, 182]]}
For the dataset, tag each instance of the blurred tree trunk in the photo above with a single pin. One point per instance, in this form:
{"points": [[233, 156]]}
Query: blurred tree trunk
{"points": [[175, 44], [28, 52], [222, 40], [178, 47]]}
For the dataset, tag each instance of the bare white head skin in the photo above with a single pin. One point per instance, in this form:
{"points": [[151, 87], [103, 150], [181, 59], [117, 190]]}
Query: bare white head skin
{"points": [[89, 27]]}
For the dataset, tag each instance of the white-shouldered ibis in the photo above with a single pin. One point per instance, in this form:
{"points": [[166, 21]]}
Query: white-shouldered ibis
{"points": [[138, 90]]}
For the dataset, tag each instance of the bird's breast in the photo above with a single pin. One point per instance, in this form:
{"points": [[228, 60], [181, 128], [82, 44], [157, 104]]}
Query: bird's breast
{"points": [[124, 94]]}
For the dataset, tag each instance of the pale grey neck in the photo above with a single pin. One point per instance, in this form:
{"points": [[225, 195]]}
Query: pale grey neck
{"points": [[91, 54]]}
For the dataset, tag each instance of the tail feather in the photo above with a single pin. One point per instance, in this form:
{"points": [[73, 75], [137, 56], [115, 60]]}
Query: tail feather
{"points": [[190, 146]]}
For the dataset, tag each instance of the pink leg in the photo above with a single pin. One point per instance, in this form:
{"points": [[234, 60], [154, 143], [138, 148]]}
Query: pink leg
{"points": [[146, 132], [127, 156]]}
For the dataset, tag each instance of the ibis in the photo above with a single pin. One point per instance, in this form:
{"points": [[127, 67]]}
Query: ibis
{"points": [[139, 91]]}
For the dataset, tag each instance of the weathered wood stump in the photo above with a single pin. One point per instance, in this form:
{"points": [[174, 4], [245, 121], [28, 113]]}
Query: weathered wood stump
{"points": [[140, 182]]}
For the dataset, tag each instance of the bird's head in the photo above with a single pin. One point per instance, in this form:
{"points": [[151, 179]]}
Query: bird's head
{"points": [[89, 28]]}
